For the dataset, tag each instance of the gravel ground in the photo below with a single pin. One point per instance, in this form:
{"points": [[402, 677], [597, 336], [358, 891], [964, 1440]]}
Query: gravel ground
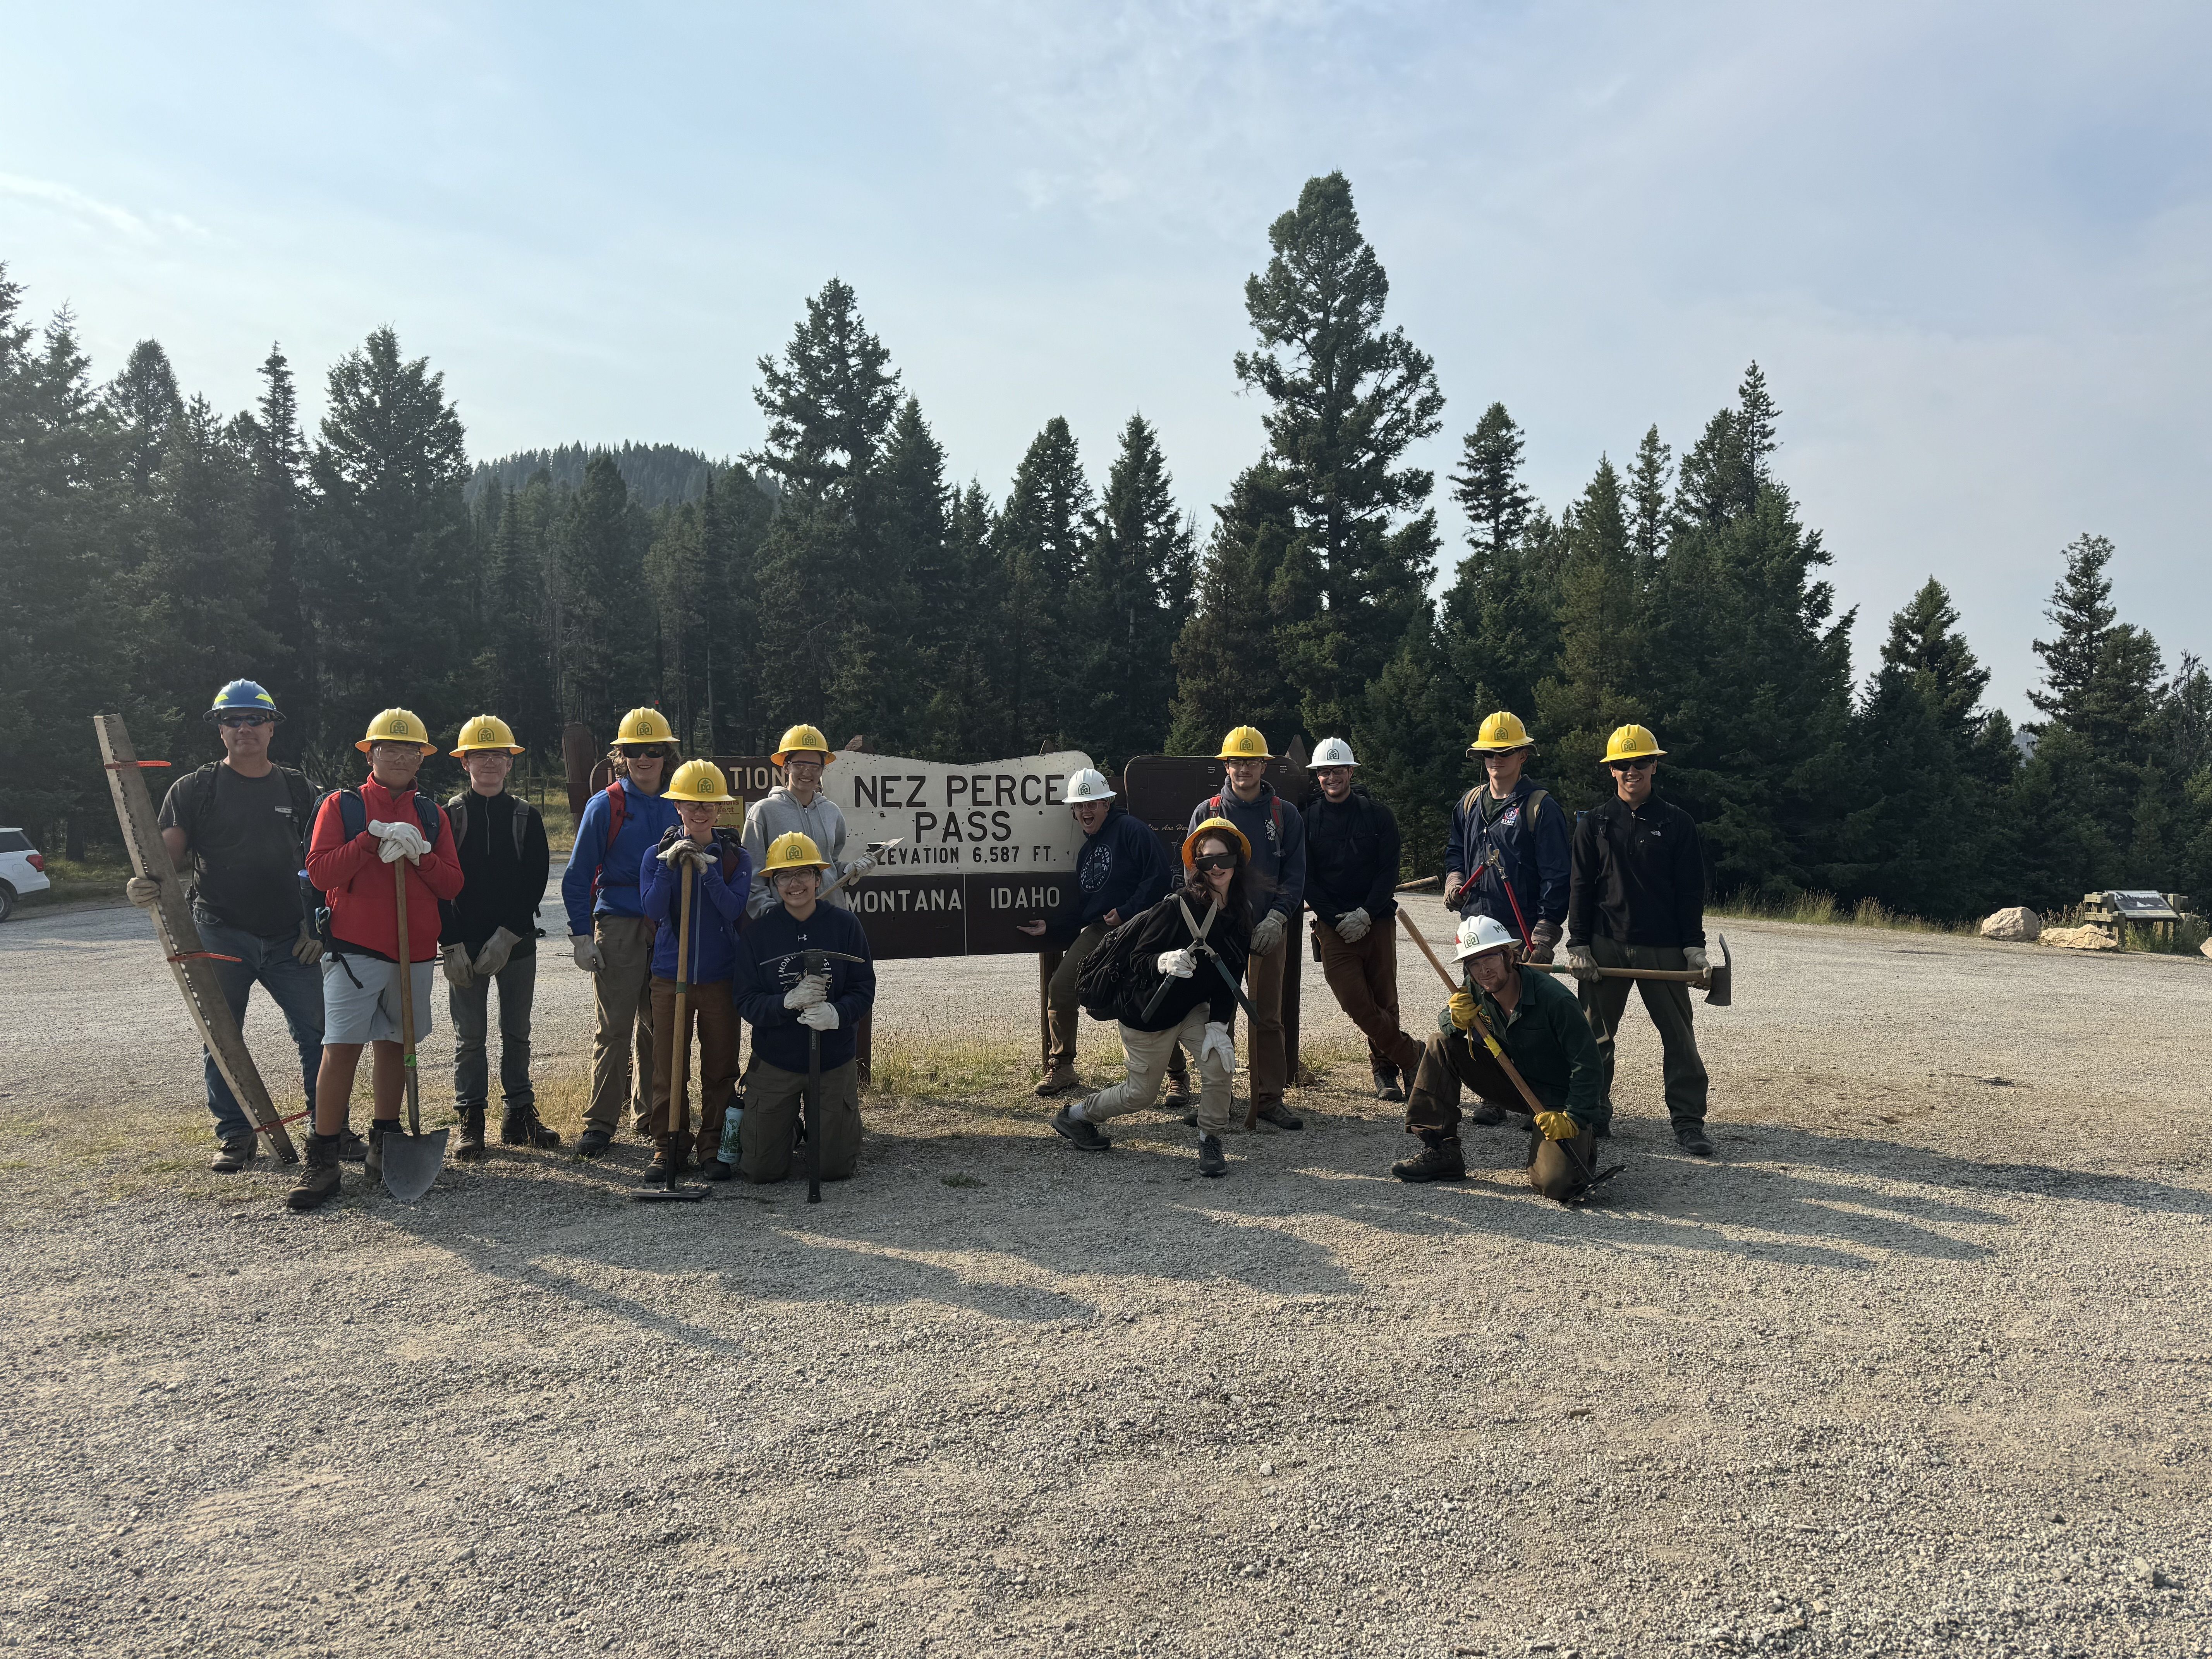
{"points": [[1921, 1364]]}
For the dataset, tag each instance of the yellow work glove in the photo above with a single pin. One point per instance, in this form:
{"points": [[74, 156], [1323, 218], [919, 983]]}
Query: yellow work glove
{"points": [[1558, 1126], [1462, 1010]]}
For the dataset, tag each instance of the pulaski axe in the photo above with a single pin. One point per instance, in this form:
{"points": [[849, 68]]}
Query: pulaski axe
{"points": [[1718, 982]]}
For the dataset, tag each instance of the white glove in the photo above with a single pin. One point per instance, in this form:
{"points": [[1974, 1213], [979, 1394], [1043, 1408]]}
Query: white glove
{"points": [[497, 949], [859, 867], [820, 1016], [144, 892], [399, 841], [1582, 964], [307, 949], [1697, 961], [585, 949], [1267, 934], [1177, 965], [459, 974], [682, 851], [811, 991], [1351, 926], [1217, 1042]]}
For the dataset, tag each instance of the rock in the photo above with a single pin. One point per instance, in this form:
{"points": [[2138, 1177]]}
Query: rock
{"points": [[2018, 924], [2078, 938], [2203, 949]]}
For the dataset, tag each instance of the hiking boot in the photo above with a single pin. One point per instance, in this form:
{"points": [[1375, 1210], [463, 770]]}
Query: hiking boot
{"points": [[1280, 1115], [1211, 1162], [1485, 1114], [1438, 1159], [1059, 1080], [1386, 1084], [319, 1174], [1178, 1098], [593, 1143], [1690, 1136], [469, 1144], [1079, 1132], [372, 1157], [352, 1149], [713, 1168], [668, 1162], [519, 1127], [233, 1155]]}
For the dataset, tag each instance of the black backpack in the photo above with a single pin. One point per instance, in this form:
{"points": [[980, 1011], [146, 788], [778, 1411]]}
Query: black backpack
{"points": [[353, 818], [1105, 972]]}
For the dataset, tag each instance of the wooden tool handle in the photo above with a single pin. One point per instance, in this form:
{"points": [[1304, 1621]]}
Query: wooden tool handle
{"points": [[406, 956], [1416, 935]]}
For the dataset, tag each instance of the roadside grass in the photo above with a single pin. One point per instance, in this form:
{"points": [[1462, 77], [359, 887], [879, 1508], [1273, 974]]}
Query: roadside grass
{"points": [[76, 880], [1826, 910]]}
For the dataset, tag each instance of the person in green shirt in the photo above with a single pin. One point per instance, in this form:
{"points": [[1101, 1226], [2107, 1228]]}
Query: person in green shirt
{"points": [[1539, 1027]]}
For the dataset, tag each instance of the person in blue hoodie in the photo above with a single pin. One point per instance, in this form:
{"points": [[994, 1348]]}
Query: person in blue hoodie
{"points": [[788, 1007], [1121, 873], [722, 876], [608, 933]]}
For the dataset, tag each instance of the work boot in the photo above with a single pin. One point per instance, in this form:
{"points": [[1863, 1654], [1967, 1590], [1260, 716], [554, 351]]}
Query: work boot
{"points": [[318, 1175], [1690, 1136], [372, 1157], [1079, 1132], [1178, 1098], [519, 1125], [470, 1144], [1438, 1159], [594, 1142], [1280, 1115], [352, 1149], [1059, 1080], [713, 1168], [1485, 1114], [667, 1161], [1211, 1162], [1386, 1084], [233, 1155]]}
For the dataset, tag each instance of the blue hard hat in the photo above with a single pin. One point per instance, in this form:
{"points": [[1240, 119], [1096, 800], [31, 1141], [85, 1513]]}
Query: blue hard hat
{"points": [[243, 694]]}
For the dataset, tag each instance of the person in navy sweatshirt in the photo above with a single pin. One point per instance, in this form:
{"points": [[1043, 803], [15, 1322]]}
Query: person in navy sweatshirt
{"points": [[789, 1007]]}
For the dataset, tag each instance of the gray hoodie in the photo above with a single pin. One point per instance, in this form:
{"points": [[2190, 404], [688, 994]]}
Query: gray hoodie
{"points": [[778, 813]]}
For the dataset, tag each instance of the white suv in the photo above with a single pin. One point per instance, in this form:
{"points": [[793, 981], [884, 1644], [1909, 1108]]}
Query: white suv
{"points": [[22, 870]]}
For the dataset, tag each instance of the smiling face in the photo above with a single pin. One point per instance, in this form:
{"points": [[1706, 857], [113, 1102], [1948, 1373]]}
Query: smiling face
{"points": [[1504, 771], [488, 769], [1245, 776], [802, 772], [1090, 814], [1216, 848], [246, 740], [1335, 782], [395, 764], [698, 817], [797, 888], [646, 763], [1632, 780], [1491, 970]]}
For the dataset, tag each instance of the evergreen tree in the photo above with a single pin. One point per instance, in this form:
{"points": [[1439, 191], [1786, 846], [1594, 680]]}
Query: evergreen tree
{"points": [[2081, 614], [1601, 629], [965, 718], [278, 453], [924, 630], [604, 616], [1227, 672], [1488, 486], [1651, 519], [143, 402], [1130, 604], [1040, 540]]}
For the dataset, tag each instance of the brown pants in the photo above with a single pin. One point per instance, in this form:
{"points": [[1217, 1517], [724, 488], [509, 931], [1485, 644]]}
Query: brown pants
{"points": [[1265, 1056], [1557, 1169], [771, 1122], [1062, 1014], [1365, 979], [708, 1010], [625, 1022]]}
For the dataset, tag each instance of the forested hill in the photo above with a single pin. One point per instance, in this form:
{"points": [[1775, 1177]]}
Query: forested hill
{"points": [[657, 475]]}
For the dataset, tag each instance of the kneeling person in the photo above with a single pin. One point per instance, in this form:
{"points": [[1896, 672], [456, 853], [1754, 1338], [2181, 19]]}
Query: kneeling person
{"points": [[1168, 997], [1539, 1026], [788, 1008], [722, 877]]}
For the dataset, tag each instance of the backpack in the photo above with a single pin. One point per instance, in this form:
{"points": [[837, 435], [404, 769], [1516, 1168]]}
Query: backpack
{"points": [[617, 815], [1105, 972], [457, 811], [353, 818], [1215, 809]]}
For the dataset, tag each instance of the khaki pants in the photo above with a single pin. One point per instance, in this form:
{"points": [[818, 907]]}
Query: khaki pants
{"points": [[1363, 978], [1148, 1054], [1265, 1056], [625, 1024], [708, 1010], [1557, 1169], [1061, 1010], [771, 1122], [1667, 1002]]}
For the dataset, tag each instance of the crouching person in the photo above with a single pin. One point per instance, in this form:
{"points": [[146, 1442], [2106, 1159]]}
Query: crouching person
{"points": [[1540, 1028], [1167, 995], [790, 1009], [722, 876]]}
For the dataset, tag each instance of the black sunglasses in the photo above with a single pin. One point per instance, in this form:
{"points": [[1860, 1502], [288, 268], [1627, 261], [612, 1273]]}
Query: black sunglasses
{"points": [[644, 751], [244, 720], [1216, 861], [1632, 766]]}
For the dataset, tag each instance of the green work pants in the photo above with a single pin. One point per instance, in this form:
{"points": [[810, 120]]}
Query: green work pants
{"points": [[1667, 1002]]}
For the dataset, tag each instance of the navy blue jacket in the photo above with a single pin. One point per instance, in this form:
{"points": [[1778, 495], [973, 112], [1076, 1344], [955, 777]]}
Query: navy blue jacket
{"points": [[1278, 835], [718, 910], [1120, 868], [767, 966], [1535, 856]]}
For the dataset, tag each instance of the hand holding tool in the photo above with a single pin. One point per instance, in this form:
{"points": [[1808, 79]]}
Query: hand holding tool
{"points": [[1177, 965], [677, 1125], [1558, 1126]]}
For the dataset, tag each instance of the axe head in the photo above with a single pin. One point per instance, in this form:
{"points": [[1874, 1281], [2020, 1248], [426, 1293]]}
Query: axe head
{"points": [[1720, 978]]}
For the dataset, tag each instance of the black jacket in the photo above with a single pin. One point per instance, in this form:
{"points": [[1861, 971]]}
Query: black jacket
{"points": [[1351, 857], [1161, 929], [1639, 877], [1119, 868], [498, 888]]}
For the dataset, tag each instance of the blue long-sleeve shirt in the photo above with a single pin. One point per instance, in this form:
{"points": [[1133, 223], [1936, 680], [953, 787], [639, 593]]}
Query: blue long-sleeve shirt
{"points": [[1278, 835], [767, 966], [1120, 869], [1534, 853], [646, 819], [718, 910]]}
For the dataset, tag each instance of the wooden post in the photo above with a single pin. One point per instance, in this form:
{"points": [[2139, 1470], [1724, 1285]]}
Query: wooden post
{"points": [[180, 939], [1294, 963], [1047, 964]]}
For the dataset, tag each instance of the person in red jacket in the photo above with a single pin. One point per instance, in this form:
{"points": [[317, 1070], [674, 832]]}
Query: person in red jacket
{"points": [[360, 833]]}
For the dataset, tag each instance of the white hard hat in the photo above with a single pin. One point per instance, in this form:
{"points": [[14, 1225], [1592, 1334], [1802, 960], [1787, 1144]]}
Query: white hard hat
{"points": [[1331, 751], [1087, 785], [1479, 933]]}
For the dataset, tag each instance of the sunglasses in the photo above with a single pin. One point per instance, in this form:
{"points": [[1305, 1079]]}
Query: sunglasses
{"points": [[1216, 861], [643, 751], [1619, 766], [236, 721]]}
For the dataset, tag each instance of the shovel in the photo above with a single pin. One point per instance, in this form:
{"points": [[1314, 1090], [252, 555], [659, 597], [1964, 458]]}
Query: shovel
{"points": [[679, 1063], [411, 1161]]}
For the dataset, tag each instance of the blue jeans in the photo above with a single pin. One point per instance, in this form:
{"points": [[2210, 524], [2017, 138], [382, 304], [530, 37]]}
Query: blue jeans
{"points": [[298, 989], [517, 984]]}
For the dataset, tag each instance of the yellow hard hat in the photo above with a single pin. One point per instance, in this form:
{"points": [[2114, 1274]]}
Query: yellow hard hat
{"points": [[1221, 827], [644, 726], [1633, 743], [397, 725], [1245, 743], [487, 732], [793, 851], [1501, 733], [803, 738], [699, 781]]}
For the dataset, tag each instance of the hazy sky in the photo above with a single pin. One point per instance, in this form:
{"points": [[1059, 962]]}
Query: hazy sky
{"points": [[1971, 246]]}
